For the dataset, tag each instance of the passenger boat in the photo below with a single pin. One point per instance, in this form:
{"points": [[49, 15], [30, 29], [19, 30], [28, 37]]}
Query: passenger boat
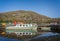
{"points": [[22, 29]]}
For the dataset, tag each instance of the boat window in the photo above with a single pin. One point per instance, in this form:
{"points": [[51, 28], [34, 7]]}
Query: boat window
{"points": [[26, 33], [23, 33], [17, 33], [26, 25], [30, 33], [23, 25], [20, 33], [20, 25]]}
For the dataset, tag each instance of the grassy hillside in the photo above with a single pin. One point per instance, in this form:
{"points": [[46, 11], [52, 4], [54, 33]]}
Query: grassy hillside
{"points": [[25, 16]]}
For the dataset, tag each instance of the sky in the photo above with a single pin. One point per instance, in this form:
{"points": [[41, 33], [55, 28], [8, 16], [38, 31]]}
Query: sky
{"points": [[50, 8]]}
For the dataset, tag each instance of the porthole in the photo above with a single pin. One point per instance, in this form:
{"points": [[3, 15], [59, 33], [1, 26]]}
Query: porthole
{"points": [[16, 33], [29, 33], [20, 33], [23, 25], [26, 33], [26, 25], [23, 33], [20, 25]]}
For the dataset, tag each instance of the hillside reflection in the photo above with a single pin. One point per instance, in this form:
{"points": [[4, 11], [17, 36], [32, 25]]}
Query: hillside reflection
{"points": [[37, 38]]}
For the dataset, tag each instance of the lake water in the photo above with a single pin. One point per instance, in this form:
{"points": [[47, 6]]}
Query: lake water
{"points": [[43, 35]]}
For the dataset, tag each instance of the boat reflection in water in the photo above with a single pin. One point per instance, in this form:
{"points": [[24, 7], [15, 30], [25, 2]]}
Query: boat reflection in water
{"points": [[21, 30]]}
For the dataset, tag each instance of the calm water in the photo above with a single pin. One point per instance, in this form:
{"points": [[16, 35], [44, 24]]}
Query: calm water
{"points": [[43, 35]]}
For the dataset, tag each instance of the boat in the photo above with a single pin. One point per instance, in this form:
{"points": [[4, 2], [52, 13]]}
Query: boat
{"points": [[22, 29]]}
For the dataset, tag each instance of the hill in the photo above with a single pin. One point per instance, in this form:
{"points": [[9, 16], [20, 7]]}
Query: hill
{"points": [[25, 16]]}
